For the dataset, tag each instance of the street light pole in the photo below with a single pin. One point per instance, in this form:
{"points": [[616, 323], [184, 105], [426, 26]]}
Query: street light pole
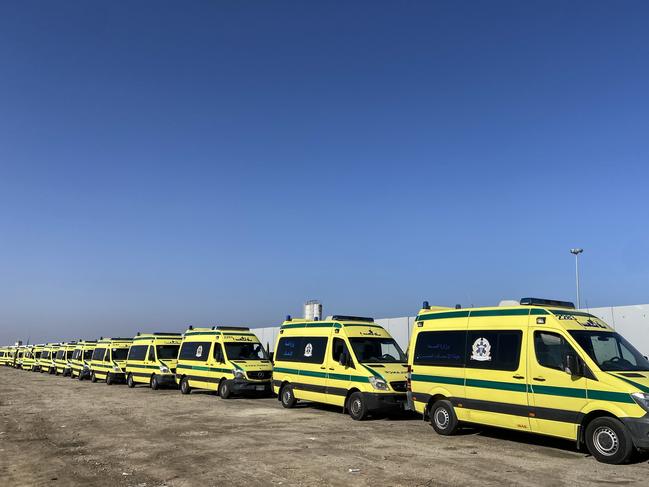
{"points": [[576, 253]]}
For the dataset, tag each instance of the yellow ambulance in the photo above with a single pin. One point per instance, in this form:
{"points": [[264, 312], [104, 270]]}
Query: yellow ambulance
{"points": [[347, 361], [63, 357], [152, 359], [48, 355], [4, 356], [28, 358], [31, 360], [80, 361], [109, 359], [540, 366], [226, 359], [20, 354]]}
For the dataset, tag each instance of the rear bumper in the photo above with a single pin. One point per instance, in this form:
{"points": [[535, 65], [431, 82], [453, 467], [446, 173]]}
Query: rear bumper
{"points": [[241, 386], [639, 428], [385, 402]]}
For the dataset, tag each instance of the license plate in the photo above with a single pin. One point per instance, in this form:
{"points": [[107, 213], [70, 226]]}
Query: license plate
{"points": [[259, 388]]}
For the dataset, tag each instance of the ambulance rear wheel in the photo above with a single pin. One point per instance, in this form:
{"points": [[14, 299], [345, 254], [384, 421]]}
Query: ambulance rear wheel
{"points": [[93, 377], [224, 389], [609, 441], [184, 386], [130, 382], [443, 418], [357, 406], [154, 384], [287, 397]]}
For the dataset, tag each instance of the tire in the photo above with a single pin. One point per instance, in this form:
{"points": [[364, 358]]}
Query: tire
{"points": [[224, 389], [609, 441], [81, 375], [184, 386], [130, 382], [109, 379], [287, 397], [153, 383], [443, 418], [357, 406], [93, 377]]}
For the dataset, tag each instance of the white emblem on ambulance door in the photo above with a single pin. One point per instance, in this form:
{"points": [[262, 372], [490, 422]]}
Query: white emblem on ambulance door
{"points": [[308, 350], [481, 350], [199, 351]]}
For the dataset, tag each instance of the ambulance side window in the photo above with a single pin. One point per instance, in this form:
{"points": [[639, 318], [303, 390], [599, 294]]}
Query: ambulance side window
{"points": [[550, 348], [339, 346], [198, 351], [494, 350], [151, 353], [441, 348], [137, 352], [218, 352]]}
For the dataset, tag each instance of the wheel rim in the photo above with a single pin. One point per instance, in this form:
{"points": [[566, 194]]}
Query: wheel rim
{"points": [[606, 441], [224, 389], [286, 396], [185, 386], [442, 418], [356, 407]]}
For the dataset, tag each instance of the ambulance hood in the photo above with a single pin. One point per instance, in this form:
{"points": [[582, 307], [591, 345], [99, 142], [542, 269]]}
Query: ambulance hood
{"points": [[639, 380], [389, 371], [253, 365]]}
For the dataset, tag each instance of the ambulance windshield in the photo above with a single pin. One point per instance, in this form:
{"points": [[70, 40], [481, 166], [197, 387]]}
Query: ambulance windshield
{"points": [[377, 350], [245, 351], [610, 351]]}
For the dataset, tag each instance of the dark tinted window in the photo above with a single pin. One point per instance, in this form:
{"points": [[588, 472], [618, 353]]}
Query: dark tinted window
{"points": [[496, 350], [167, 352], [137, 352], [60, 354], [87, 354], [550, 348], [445, 348], [338, 347], [610, 351], [98, 354], [45, 355], [194, 351], [119, 353], [302, 349], [151, 357]]}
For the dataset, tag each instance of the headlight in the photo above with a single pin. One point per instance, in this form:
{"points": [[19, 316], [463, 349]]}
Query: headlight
{"points": [[238, 374], [164, 370], [378, 384], [642, 399], [116, 368]]}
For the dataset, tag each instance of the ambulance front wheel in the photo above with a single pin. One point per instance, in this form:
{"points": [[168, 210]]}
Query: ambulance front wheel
{"points": [[154, 384], [224, 389], [130, 382], [93, 377], [357, 406], [443, 418], [109, 379], [287, 397], [184, 386], [609, 441]]}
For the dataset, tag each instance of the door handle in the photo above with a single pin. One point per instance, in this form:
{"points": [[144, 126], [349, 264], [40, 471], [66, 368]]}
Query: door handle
{"points": [[331, 368], [322, 367], [540, 379], [518, 376]]}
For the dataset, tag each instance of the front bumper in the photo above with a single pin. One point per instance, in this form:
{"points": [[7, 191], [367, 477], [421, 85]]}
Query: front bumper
{"points": [[639, 428], [377, 401], [243, 386], [166, 379], [117, 376]]}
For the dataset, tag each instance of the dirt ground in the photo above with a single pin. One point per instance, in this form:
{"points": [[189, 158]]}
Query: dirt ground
{"points": [[59, 431]]}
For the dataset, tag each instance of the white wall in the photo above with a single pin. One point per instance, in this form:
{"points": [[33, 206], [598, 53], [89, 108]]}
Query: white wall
{"points": [[632, 322]]}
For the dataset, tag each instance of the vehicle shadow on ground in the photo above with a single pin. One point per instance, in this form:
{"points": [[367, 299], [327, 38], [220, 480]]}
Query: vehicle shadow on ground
{"points": [[556, 447], [398, 416]]}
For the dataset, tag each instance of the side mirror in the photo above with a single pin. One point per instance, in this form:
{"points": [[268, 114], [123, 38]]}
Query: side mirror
{"points": [[571, 365]]}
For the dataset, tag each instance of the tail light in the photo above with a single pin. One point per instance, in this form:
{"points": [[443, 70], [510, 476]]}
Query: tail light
{"points": [[408, 374]]}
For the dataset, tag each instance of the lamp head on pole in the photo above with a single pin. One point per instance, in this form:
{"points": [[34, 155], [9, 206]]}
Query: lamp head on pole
{"points": [[576, 251]]}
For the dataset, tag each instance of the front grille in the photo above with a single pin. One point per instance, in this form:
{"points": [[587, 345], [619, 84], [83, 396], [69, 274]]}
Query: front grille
{"points": [[399, 386], [260, 374]]}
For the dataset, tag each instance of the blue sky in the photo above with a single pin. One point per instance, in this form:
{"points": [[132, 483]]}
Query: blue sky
{"points": [[163, 164]]}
